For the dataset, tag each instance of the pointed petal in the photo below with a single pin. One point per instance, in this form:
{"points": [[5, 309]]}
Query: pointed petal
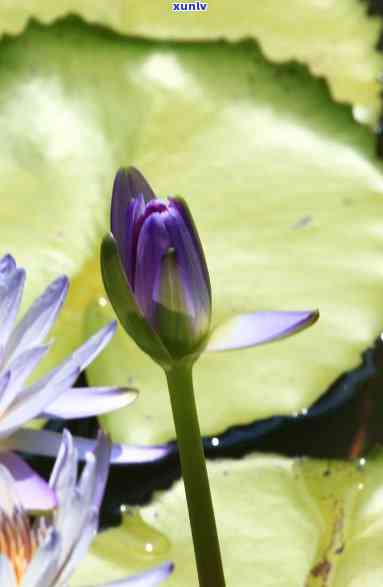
{"points": [[130, 192], [23, 365], [34, 492], [42, 569], [193, 273], [33, 400], [47, 389], [4, 383], [63, 479], [128, 184], [128, 246], [77, 516], [153, 243], [183, 209], [124, 303], [82, 402], [35, 325], [147, 579], [80, 545], [11, 291], [103, 453], [7, 264], [47, 443], [85, 354], [8, 393], [7, 576], [36, 397], [248, 330]]}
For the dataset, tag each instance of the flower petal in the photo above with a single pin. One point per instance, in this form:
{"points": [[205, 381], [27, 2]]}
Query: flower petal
{"points": [[152, 245], [76, 518], [35, 493], [7, 576], [7, 264], [85, 354], [47, 443], [147, 579], [81, 402], [11, 291], [183, 209], [128, 247], [248, 330], [4, 383], [80, 546], [42, 570], [102, 456], [129, 185], [23, 365], [193, 272], [34, 399], [35, 325]]}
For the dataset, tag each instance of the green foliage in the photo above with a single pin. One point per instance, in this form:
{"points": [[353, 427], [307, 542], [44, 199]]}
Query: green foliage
{"points": [[334, 38], [283, 185], [282, 523]]}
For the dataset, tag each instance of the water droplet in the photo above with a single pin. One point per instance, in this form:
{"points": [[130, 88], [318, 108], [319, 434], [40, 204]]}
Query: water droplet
{"points": [[102, 302], [142, 540], [361, 463], [215, 441]]}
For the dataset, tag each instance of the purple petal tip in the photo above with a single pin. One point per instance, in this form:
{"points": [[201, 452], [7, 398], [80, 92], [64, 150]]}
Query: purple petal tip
{"points": [[248, 330], [130, 454]]}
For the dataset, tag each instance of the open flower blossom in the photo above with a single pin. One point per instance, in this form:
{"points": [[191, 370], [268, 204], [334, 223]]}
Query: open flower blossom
{"points": [[47, 552], [156, 276], [53, 395]]}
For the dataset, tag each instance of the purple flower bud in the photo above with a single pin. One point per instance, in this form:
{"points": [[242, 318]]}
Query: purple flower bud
{"points": [[163, 261]]}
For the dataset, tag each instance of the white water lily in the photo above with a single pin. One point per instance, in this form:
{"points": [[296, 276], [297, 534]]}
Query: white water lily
{"points": [[47, 552], [22, 346]]}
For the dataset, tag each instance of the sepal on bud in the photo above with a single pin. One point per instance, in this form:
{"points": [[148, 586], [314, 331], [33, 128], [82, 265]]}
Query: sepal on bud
{"points": [[125, 306]]}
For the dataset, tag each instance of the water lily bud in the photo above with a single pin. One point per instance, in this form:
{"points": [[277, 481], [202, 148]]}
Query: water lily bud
{"points": [[165, 269]]}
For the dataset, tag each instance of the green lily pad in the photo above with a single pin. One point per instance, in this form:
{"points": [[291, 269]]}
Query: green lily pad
{"points": [[335, 38], [283, 184], [282, 523]]}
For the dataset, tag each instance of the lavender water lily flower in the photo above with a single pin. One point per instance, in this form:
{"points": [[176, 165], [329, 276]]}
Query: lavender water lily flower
{"points": [[21, 349], [47, 552], [156, 276]]}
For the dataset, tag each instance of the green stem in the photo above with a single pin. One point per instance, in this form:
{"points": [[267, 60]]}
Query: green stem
{"points": [[198, 496]]}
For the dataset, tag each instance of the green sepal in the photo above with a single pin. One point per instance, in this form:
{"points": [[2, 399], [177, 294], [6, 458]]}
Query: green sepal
{"points": [[122, 299], [175, 332]]}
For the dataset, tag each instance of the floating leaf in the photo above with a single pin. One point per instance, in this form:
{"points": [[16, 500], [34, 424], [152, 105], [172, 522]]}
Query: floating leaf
{"points": [[282, 523], [282, 183], [335, 38]]}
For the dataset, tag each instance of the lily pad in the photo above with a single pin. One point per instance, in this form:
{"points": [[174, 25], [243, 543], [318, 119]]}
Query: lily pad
{"points": [[282, 523], [335, 38], [283, 184]]}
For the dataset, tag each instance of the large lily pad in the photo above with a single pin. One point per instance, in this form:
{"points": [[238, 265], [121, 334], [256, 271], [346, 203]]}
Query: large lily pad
{"points": [[334, 38], [283, 184], [282, 523]]}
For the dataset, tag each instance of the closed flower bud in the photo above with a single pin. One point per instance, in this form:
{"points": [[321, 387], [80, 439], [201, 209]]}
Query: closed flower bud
{"points": [[165, 269]]}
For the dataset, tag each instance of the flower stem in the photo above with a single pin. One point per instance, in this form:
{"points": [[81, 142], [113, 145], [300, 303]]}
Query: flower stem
{"points": [[198, 496]]}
